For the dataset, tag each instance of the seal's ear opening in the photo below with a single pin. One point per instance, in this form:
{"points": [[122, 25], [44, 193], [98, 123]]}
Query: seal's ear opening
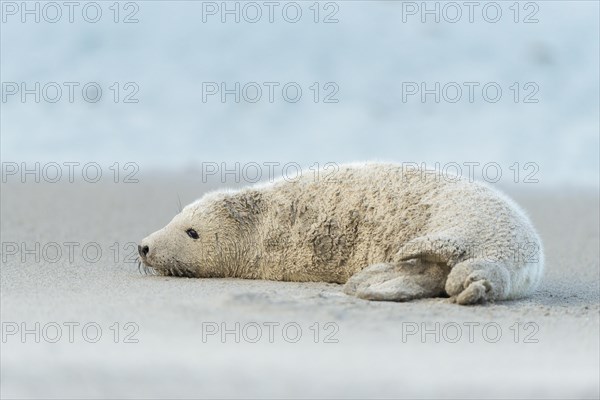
{"points": [[244, 205]]}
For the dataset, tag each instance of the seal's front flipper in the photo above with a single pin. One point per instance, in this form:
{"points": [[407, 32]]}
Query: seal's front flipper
{"points": [[438, 248], [402, 281]]}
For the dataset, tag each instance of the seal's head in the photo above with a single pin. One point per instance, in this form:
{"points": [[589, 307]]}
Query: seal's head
{"points": [[204, 240]]}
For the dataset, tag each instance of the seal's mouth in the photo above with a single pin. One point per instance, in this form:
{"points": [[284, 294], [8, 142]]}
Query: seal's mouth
{"points": [[176, 269]]}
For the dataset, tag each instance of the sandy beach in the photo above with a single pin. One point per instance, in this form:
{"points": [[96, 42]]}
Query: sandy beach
{"points": [[106, 331]]}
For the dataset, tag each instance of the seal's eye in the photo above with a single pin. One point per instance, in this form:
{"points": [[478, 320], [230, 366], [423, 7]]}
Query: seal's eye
{"points": [[192, 233]]}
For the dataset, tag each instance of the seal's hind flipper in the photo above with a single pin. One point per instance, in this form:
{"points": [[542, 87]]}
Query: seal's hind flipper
{"points": [[398, 282], [478, 281]]}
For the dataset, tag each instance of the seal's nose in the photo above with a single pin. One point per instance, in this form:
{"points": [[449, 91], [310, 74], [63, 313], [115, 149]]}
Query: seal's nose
{"points": [[143, 250]]}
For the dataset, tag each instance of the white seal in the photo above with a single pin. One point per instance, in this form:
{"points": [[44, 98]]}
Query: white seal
{"points": [[387, 232]]}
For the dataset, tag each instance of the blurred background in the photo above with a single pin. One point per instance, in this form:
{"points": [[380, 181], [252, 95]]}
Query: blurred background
{"points": [[166, 59]]}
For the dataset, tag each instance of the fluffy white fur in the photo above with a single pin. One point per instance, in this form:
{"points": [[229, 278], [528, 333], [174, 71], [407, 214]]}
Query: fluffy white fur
{"points": [[387, 232]]}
